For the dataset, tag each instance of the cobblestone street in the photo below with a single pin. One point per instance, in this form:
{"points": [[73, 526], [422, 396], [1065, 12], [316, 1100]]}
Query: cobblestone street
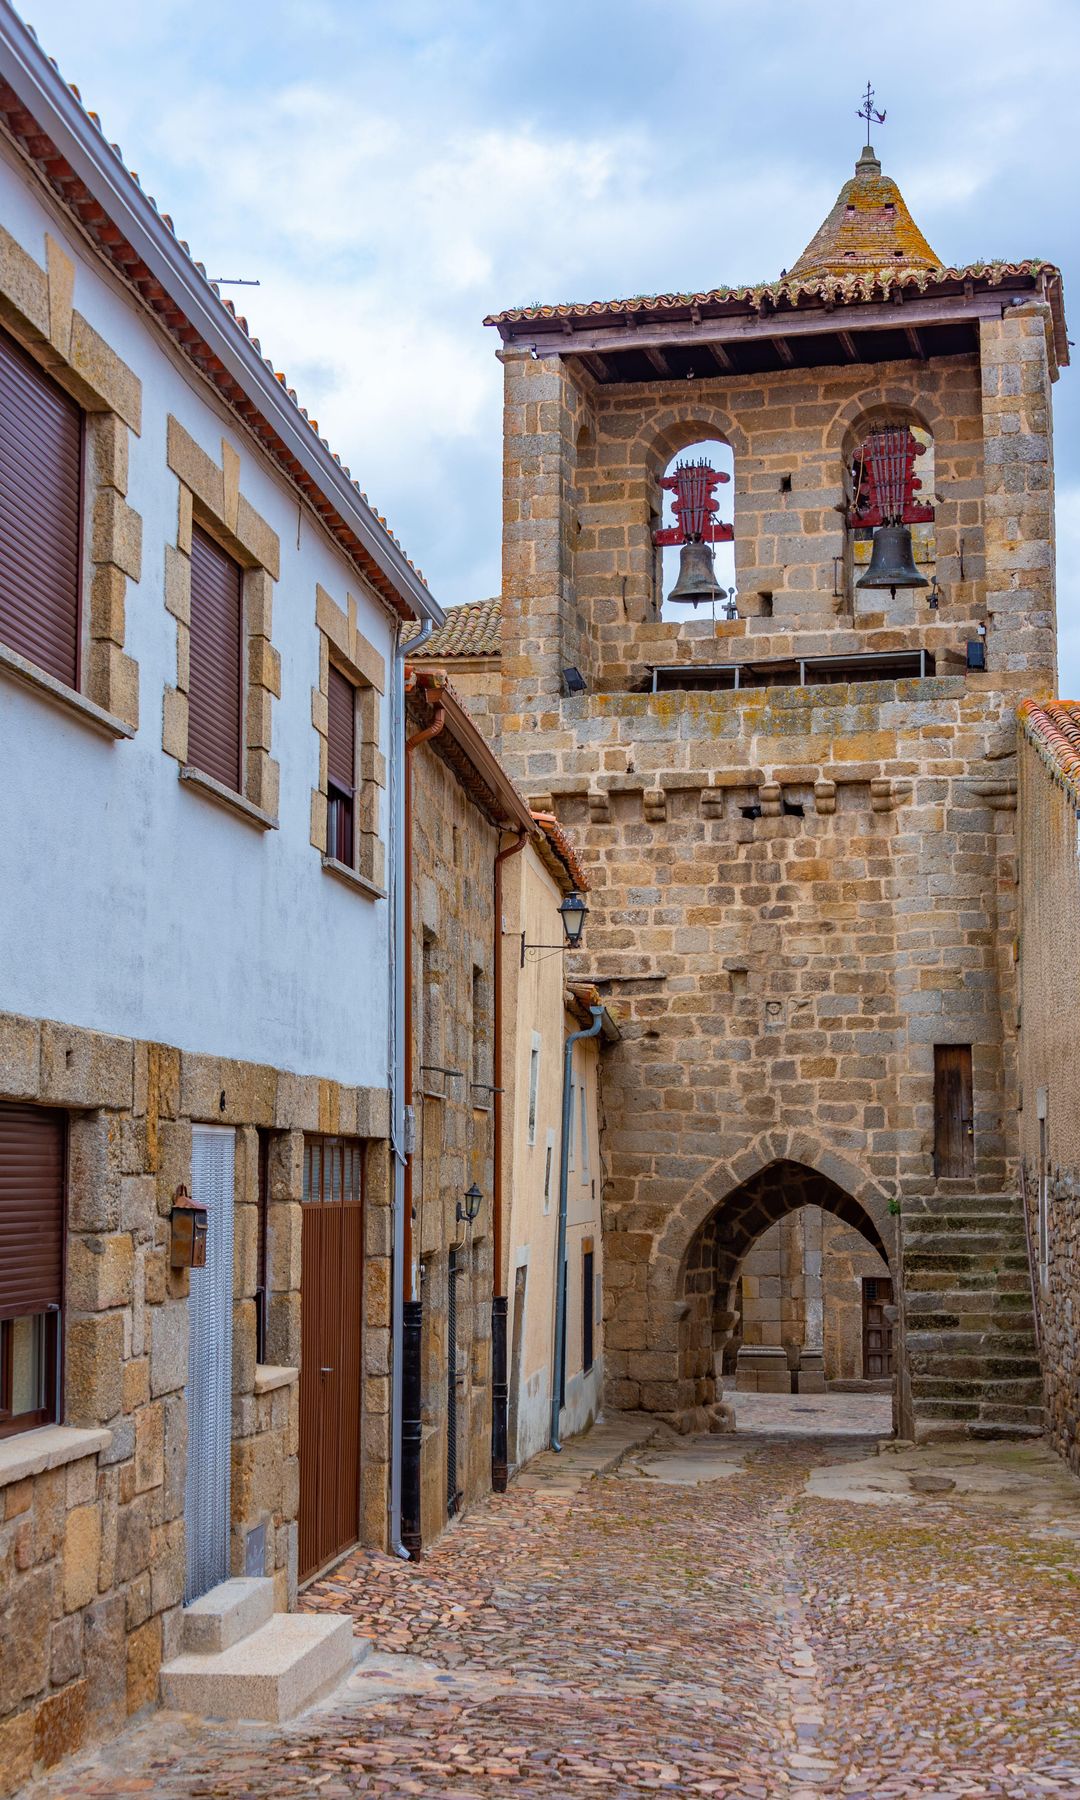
{"points": [[769, 1613]]}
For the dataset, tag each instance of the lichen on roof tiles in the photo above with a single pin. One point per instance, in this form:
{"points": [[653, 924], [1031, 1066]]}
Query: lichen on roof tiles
{"points": [[1052, 727], [474, 629]]}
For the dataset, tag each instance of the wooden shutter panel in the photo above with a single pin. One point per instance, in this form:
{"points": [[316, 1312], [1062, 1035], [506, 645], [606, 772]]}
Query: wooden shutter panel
{"points": [[32, 1143], [214, 695], [40, 512], [341, 731]]}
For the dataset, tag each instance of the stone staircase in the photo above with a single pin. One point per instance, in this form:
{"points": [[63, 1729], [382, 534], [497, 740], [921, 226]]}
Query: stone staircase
{"points": [[971, 1342], [242, 1660]]}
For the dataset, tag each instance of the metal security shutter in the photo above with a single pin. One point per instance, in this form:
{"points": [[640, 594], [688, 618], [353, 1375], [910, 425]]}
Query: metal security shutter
{"points": [[215, 693], [40, 512], [31, 1210], [341, 764], [209, 1391]]}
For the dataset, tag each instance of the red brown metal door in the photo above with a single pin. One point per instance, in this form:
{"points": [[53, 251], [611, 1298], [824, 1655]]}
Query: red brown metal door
{"points": [[330, 1348], [877, 1331]]}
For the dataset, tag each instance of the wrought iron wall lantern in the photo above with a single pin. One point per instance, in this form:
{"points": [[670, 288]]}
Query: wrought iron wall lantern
{"points": [[188, 1239], [573, 912], [468, 1213]]}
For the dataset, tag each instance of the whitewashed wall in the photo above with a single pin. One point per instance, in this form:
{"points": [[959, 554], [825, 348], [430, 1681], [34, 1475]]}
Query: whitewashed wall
{"points": [[129, 903]]}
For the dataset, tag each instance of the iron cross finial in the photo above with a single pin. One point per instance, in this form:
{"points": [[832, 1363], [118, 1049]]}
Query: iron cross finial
{"points": [[868, 112]]}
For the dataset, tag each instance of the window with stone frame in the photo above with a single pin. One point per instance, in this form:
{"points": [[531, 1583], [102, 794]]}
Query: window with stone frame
{"points": [[67, 404], [224, 543], [347, 804], [33, 1151]]}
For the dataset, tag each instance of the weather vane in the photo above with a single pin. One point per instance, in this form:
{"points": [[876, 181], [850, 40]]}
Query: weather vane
{"points": [[868, 112]]}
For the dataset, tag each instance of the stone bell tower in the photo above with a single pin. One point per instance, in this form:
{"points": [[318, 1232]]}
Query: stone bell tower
{"points": [[798, 820]]}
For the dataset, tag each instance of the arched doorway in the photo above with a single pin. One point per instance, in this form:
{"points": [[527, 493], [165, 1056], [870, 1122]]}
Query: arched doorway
{"points": [[709, 1311]]}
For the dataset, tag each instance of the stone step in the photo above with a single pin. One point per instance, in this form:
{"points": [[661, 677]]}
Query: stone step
{"points": [[984, 1205], [998, 1392], [956, 1225], [272, 1674], [976, 1368], [972, 1343], [229, 1612], [975, 1257], [930, 1430]]}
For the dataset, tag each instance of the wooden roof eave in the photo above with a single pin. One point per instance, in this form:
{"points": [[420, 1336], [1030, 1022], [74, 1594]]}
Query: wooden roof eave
{"points": [[731, 322]]}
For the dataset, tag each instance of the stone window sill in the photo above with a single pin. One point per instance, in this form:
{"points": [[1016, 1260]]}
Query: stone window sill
{"points": [[353, 878], [48, 1447], [269, 1376], [61, 695], [223, 796]]}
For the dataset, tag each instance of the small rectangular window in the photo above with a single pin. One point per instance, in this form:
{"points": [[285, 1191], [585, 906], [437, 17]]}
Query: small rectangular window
{"points": [[534, 1085], [583, 1106], [588, 1295], [570, 1148], [341, 767], [549, 1158], [215, 694], [41, 456], [32, 1161]]}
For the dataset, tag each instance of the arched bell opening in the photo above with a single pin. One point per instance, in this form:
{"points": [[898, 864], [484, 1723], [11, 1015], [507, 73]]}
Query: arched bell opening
{"points": [[891, 511], [692, 524], [712, 1324]]}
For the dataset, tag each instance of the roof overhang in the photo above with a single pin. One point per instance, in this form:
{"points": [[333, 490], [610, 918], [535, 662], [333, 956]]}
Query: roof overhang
{"points": [[752, 330], [86, 174], [466, 750]]}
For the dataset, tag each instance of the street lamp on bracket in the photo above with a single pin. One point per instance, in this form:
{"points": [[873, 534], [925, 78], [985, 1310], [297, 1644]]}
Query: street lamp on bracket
{"points": [[573, 913]]}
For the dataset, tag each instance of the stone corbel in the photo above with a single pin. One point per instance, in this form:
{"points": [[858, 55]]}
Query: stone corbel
{"points": [[887, 792], [769, 799], [712, 803], [825, 796], [599, 804], [654, 805], [998, 793]]}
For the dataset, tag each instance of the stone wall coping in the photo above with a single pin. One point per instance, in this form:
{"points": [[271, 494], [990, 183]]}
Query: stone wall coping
{"points": [[49, 1447], [223, 796], [269, 1376], [61, 695]]}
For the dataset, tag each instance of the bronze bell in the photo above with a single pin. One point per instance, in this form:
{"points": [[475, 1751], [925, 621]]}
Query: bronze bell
{"points": [[697, 577], [892, 564]]}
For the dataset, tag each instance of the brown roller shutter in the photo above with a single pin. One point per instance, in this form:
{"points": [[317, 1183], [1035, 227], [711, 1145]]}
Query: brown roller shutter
{"points": [[214, 695], [40, 514], [341, 735], [341, 763], [31, 1209]]}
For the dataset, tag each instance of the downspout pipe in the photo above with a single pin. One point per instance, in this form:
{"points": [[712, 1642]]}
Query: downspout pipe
{"points": [[412, 1309], [558, 1370], [396, 1046], [500, 1389]]}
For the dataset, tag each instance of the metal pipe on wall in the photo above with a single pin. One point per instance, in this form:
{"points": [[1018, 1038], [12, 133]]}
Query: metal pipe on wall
{"points": [[412, 1309], [500, 1391], [396, 1058], [558, 1370]]}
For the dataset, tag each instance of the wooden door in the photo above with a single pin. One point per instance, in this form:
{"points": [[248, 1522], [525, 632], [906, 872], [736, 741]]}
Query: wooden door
{"points": [[331, 1295], [954, 1129], [876, 1329]]}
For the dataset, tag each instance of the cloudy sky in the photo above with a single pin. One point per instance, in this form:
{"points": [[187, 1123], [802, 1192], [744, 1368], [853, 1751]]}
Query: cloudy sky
{"points": [[392, 170]]}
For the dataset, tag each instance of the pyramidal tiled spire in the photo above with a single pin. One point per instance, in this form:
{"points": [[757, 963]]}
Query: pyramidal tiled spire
{"points": [[868, 229]]}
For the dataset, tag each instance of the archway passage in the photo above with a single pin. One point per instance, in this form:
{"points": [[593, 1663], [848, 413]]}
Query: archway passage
{"points": [[716, 1255]]}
